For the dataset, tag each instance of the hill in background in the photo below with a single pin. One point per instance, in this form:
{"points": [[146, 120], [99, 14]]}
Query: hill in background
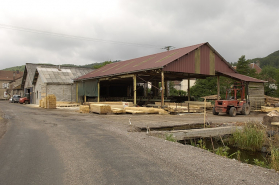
{"points": [[270, 60], [93, 65]]}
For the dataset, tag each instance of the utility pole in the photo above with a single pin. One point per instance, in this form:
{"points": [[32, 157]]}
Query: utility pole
{"points": [[168, 48]]}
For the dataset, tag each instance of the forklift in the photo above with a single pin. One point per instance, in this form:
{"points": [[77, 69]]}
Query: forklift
{"points": [[232, 105]]}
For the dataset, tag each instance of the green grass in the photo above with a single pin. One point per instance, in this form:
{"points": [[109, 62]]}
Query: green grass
{"points": [[251, 137], [170, 137]]}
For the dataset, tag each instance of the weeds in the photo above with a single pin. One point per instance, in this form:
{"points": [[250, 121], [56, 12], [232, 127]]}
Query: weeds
{"points": [[237, 153], [201, 144], [170, 137], [252, 137], [274, 160], [222, 151], [260, 163]]}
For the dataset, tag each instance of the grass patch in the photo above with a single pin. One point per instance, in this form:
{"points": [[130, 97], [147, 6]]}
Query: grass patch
{"points": [[274, 158], [170, 137], [252, 137]]}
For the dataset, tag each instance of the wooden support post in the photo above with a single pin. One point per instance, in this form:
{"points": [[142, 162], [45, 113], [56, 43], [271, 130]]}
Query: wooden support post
{"points": [[98, 91], [188, 94], [163, 89], [84, 98], [77, 92], [218, 87], [204, 112], [145, 89], [135, 89], [167, 88]]}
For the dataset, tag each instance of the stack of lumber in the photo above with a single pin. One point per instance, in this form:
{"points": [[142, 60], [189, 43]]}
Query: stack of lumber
{"points": [[124, 104], [41, 104], [100, 108], [194, 106], [115, 107], [66, 104], [183, 109], [51, 101], [84, 109], [271, 100], [118, 111], [269, 109], [48, 102], [144, 110]]}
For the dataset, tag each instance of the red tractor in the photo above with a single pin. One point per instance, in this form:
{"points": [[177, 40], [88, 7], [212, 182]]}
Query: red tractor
{"points": [[232, 105]]}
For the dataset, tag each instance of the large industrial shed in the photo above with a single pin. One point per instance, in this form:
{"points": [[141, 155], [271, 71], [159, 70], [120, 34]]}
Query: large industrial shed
{"points": [[121, 80]]}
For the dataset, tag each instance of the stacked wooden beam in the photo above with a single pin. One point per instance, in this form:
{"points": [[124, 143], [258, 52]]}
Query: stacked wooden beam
{"points": [[51, 101], [100, 108], [271, 100], [144, 110], [194, 106], [84, 109]]}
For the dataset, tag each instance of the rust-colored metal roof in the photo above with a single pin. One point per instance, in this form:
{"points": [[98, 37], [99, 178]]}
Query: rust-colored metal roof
{"points": [[242, 77], [197, 59], [9, 75], [256, 67], [154, 61]]}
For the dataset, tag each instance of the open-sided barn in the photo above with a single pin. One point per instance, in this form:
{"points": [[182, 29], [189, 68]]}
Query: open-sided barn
{"points": [[129, 79]]}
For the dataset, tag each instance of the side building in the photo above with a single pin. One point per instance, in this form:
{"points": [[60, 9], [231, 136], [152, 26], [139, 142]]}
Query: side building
{"points": [[5, 78], [41, 80]]}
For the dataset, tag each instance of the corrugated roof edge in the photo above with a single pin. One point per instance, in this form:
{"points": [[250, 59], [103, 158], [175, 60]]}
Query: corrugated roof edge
{"points": [[243, 77], [78, 79]]}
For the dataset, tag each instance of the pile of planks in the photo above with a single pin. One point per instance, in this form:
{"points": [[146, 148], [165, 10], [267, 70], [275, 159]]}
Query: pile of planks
{"points": [[144, 110], [269, 109], [84, 109], [48, 102], [271, 101], [108, 107], [194, 106], [66, 104]]}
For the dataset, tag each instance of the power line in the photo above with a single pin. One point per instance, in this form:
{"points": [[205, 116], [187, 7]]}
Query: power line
{"points": [[73, 36]]}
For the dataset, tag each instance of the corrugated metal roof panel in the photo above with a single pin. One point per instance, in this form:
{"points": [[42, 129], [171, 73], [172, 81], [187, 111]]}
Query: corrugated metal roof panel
{"points": [[62, 75], [242, 77], [9, 75], [154, 61]]}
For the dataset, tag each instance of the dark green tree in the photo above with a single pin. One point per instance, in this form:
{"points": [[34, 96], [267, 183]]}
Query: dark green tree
{"points": [[242, 67], [208, 86], [271, 75]]}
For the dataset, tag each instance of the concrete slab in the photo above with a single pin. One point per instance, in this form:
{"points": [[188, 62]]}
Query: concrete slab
{"points": [[198, 133]]}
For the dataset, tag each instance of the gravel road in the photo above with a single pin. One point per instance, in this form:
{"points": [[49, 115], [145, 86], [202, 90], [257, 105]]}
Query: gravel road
{"points": [[62, 146]]}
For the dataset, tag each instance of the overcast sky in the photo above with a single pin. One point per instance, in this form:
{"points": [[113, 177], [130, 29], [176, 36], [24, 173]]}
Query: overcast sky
{"points": [[89, 31]]}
